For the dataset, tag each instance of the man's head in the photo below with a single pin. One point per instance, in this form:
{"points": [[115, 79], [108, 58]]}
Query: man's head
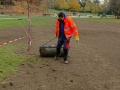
{"points": [[61, 16]]}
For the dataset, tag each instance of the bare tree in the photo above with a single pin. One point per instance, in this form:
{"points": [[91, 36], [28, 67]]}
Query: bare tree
{"points": [[82, 2], [97, 2], [114, 6]]}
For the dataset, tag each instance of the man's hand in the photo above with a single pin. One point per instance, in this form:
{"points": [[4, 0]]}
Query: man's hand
{"points": [[56, 36], [77, 41]]}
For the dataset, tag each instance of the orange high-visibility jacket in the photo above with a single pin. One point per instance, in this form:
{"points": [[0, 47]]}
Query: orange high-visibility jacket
{"points": [[70, 28]]}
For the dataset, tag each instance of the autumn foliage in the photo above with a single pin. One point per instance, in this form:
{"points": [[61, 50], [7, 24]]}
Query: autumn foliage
{"points": [[28, 1], [36, 6], [74, 6]]}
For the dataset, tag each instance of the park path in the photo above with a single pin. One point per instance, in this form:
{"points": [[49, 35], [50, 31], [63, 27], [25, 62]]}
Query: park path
{"points": [[93, 62]]}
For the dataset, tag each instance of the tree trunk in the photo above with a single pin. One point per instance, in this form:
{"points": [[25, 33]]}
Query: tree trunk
{"points": [[118, 17]]}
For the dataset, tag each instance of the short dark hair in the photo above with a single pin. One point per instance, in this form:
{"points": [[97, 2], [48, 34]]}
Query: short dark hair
{"points": [[61, 14]]}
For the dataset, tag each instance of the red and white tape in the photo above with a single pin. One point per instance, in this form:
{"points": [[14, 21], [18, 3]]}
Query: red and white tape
{"points": [[13, 41]]}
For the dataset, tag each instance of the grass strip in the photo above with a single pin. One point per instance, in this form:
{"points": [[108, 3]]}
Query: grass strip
{"points": [[17, 22], [9, 61], [108, 20]]}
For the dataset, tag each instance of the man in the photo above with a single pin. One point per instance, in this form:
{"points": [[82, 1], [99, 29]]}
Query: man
{"points": [[65, 29]]}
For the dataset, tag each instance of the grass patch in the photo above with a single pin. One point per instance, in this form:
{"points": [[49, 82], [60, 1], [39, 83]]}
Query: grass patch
{"points": [[41, 21], [37, 20], [16, 23], [9, 61], [12, 23], [108, 20]]}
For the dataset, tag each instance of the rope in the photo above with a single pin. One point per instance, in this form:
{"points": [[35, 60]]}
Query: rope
{"points": [[30, 39]]}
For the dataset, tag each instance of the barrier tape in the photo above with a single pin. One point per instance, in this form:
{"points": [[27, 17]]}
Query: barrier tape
{"points": [[13, 41], [27, 33]]}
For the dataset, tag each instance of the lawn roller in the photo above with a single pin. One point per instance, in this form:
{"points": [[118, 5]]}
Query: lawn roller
{"points": [[49, 51]]}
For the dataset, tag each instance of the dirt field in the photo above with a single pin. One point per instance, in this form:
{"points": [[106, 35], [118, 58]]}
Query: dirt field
{"points": [[94, 62]]}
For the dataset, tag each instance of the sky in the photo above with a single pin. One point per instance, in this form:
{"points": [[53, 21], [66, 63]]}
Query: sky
{"points": [[101, 1]]}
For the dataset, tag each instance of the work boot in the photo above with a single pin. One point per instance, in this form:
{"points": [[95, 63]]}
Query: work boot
{"points": [[65, 56], [65, 60], [55, 58]]}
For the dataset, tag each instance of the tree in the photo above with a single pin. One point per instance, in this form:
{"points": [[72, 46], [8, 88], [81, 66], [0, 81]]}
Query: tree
{"points": [[97, 2], [44, 6], [82, 2], [88, 6], [28, 1], [104, 7], [19, 7], [60, 4], [95, 9], [114, 6], [35, 6], [3, 2], [74, 6]]}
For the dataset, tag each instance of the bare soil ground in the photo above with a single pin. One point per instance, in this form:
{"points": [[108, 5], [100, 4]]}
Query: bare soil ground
{"points": [[93, 62]]}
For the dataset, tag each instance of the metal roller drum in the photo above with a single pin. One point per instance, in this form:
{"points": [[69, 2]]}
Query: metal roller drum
{"points": [[49, 51]]}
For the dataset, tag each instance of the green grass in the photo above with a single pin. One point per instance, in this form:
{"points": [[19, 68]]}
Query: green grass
{"points": [[24, 22], [6, 23], [12, 23], [41, 21], [107, 20], [9, 61]]}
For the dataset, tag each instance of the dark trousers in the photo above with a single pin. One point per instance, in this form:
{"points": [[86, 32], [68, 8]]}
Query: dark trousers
{"points": [[62, 41]]}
